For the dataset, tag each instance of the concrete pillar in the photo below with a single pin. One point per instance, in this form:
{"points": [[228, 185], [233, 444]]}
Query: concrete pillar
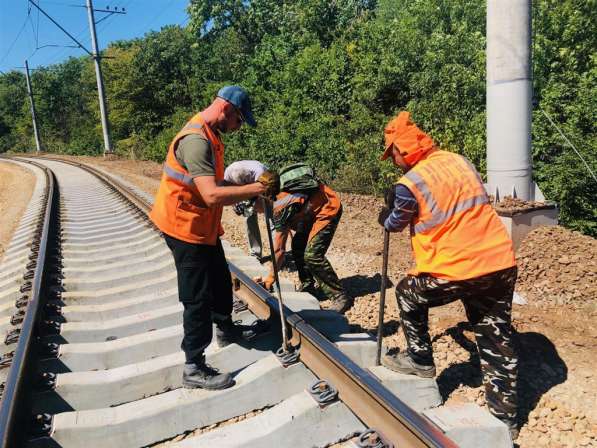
{"points": [[509, 98]]}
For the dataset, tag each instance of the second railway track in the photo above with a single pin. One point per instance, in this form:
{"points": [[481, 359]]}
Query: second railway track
{"points": [[97, 362]]}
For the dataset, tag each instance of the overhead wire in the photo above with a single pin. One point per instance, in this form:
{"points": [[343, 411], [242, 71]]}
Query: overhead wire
{"points": [[569, 142], [16, 38]]}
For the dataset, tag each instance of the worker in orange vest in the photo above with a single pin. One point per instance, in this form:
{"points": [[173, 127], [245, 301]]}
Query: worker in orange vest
{"points": [[188, 210], [312, 216], [461, 250]]}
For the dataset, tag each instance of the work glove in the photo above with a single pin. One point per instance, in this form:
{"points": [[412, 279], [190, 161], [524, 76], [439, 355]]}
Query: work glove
{"points": [[266, 282], [390, 197], [389, 200], [272, 183], [383, 215]]}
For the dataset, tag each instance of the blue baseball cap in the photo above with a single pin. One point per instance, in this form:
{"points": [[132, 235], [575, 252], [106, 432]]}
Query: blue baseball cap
{"points": [[239, 98]]}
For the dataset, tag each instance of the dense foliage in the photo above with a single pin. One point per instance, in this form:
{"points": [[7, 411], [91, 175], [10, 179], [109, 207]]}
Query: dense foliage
{"points": [[325, 77]]}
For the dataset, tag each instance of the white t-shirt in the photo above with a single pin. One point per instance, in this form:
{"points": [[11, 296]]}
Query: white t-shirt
{"points": [[244, 172]]}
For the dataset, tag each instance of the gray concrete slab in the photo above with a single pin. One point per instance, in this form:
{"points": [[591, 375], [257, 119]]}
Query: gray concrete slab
{"points": [[111, 250], [115, 310], [328, 323], [127, 350], [135, 273], [99, 226], [81, 260], [360, 347], [116, 353], [96, 389], [470, 426], [419, 393], [116, 268], [163, 416], [101, 236], [297, 422], [112, 243], [96, 331], [159, 286]]}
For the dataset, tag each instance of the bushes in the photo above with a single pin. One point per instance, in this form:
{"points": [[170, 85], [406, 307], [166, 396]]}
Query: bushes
{"points": [[324, 78]]}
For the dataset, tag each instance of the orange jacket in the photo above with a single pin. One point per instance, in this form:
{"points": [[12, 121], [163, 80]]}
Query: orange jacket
{"points": [[456, 235], [179, 210], [320, 207]]}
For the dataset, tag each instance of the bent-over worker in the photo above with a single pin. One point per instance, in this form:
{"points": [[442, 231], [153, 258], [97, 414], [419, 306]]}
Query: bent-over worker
{"points": [[244, 172], [313, 217]]}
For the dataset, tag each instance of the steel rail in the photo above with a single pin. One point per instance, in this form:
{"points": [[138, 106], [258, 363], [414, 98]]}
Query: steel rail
{"points": [[13, 389], [361, 391]]}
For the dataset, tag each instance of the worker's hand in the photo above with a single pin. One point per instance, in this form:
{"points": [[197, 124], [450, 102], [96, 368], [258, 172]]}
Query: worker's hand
{"points": [[383, 215], [266, 282], [390, 197], [271, 181]]}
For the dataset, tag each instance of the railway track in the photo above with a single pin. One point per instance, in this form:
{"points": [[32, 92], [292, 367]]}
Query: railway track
{"points": [[92, 327]]}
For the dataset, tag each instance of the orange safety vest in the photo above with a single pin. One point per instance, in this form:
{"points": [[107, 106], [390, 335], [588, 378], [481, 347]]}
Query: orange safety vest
{"points": [[323, 205], [179, 210], [456, 235]]}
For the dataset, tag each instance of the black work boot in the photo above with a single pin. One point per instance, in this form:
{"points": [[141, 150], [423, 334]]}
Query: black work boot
{"points": [[403, 363], [341, 303], [227, 332], [199, 375], [310, 288]]}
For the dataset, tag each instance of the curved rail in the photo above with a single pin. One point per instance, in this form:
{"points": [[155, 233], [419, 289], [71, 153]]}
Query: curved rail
{"points": [[363, 393], [10, 406]]}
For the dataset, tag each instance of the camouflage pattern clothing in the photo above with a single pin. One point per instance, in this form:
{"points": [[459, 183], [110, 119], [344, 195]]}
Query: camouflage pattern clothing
{"points": [[311, 262], [488, 304]]}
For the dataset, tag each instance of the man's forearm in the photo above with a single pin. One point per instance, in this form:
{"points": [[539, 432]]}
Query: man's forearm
{"points": [[213, 194]]}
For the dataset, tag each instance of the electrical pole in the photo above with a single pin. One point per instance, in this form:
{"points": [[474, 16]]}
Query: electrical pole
{"points": [[509, 98], [30, 91], [96, 59], [100, 81]]}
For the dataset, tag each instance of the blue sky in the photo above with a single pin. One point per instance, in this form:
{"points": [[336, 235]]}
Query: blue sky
{"points": [[23, 33]]}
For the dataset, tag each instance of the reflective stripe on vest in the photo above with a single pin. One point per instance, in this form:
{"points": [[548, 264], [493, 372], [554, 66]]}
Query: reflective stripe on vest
{"points": [[439, 216], [193, 126], [178, 176], [286, 200]]}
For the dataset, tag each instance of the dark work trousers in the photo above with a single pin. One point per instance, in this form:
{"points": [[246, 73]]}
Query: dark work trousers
{"points": [[311, 262], [204, 289], [488, 304]]}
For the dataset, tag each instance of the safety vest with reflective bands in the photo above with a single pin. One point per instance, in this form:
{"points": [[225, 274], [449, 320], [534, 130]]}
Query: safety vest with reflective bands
{"points": [[456, 235], [322, 205], [179, 210]]}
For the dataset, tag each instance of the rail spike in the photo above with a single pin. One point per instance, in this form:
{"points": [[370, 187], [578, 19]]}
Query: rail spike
{"points": [[41, 425], [372, 439], [287, 357], [323, 392]]}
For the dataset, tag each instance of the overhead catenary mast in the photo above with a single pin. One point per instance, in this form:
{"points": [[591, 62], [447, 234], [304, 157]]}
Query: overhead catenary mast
{"points": [[509, 99], [30, 91], [100, 81], [95, 54]]}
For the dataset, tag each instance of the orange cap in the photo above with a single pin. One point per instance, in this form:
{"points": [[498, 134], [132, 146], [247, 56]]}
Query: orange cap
{"points": [[408, 138]]}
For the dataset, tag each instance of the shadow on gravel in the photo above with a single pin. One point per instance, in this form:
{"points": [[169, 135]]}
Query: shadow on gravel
{"points": [[540, 368], [361, 285], [390, 327]]}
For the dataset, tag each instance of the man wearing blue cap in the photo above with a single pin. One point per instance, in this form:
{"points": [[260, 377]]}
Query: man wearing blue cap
{"points": [[188, 210]]}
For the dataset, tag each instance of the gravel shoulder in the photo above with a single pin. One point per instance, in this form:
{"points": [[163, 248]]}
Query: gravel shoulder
{"points": [[557, 333], [16, 187]]}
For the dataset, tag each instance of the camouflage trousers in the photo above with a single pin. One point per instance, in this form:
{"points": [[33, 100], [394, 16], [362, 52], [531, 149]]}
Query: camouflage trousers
{"points": [[311, 262], [488, 304]]}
